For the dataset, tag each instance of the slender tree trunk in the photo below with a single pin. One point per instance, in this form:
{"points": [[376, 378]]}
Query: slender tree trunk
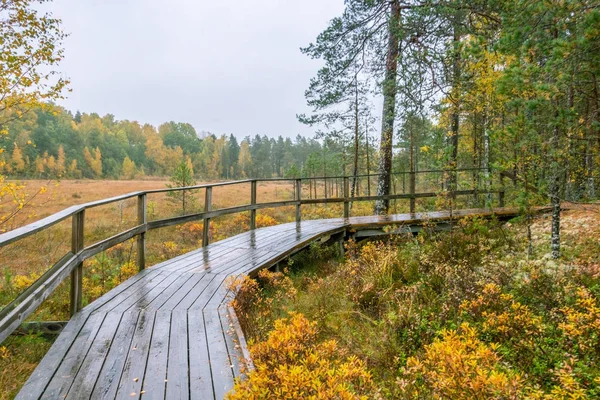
{"points": [[411, 155], [555, 188], [368, 160], [455, 115], [589, 160], [476, 161], [356, 132], [486, 159], [389, 110]]}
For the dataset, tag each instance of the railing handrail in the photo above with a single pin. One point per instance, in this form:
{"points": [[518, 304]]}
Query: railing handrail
{"points": [[13, 314], [44, 223]]}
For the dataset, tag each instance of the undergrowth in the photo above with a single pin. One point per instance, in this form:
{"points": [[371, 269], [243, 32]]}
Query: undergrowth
{"points": [[464, 314]]}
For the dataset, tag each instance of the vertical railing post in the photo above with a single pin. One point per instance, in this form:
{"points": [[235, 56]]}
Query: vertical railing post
{"points": [[298, 199], [207, 208], [141, 239], [412, 189], [77, 273], [253, 203], [346, 197]]}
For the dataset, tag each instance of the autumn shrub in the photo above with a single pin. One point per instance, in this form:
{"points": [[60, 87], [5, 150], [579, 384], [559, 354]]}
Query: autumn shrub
{"points": [[254, 300], [460, 314], [293, 364], [458, 366]]}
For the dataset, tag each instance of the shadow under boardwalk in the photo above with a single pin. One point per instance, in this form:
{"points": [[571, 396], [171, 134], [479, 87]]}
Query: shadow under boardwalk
{"points": [[166, 332]]}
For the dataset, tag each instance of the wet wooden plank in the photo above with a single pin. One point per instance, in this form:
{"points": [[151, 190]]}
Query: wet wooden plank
{"points": [[205, 285], [47, 367], [132, 377], [66, 369], [84, 381], [147, 297], [110, 375], [123, 300], [156, 367], [233, 348], [220, 364], [178, 365], [201, 386], [181, 285]]}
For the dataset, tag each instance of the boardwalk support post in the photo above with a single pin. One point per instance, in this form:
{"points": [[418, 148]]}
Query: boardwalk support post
{"points": [[77, 273], [141, 239], [346, 198], [207, 208], [298, 199], [253, 203]]}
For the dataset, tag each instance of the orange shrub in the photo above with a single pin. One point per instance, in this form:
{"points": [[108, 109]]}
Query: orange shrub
{"points": [[581, 324], [293, 364], [459, 366]]}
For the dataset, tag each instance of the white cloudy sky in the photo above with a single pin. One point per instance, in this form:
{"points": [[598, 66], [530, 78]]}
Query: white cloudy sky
{"points": [[224, 66]]}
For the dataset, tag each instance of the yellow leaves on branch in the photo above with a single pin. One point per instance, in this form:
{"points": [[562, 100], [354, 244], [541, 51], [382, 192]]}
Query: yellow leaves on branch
{"points": [[459, 366], [581, 324], [293, 364], [30, 49]]}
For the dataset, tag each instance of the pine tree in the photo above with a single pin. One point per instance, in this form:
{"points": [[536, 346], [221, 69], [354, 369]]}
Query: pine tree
{"points": [[183, 177]]}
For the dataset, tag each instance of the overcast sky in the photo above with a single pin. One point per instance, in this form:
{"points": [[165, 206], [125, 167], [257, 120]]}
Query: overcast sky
{"points": [[223, 66]]}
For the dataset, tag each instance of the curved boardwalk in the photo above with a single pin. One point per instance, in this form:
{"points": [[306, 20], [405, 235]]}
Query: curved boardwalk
{"points": [[166, 332]]}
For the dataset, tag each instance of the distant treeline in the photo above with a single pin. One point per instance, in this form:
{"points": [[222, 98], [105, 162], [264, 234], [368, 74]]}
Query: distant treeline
{"points": [[51, 142]]}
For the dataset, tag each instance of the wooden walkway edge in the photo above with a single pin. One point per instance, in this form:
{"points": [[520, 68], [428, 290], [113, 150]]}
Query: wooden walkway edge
{"points": [[167, 332]]}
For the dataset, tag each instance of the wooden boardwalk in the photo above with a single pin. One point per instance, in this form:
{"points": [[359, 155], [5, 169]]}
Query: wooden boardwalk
{"points": [[166, 333]]}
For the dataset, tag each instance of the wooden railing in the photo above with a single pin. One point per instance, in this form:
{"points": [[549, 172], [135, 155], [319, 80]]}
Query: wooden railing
{"points": [[71, 264]]}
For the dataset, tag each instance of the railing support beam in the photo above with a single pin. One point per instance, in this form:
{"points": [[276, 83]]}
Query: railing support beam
{"points": [[346, 198], [141, 239], [298, 199], [78, 220], [207, 208], [253, 203], [413, 185]]}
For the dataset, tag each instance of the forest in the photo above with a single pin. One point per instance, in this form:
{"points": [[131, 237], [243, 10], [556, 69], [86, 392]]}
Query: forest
{"points": [[50, 143]]}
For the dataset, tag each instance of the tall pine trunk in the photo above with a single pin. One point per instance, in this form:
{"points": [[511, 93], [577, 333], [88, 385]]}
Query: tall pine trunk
{"points": [[452, 179], [555, 188], [356, 137], [389, 110]]}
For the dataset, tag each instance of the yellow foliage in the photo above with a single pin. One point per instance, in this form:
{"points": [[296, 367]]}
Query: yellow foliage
{"points": [[567, 388], [22, 282], [293, 364], [459, 366], [581, 323], [503, 316]]}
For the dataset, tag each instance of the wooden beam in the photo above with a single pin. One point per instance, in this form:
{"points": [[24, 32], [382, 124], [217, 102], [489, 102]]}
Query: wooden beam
{"points": [[141, 239], [346, 198], [207, 208], [299, 200], [253, 203], [77, 231]]}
